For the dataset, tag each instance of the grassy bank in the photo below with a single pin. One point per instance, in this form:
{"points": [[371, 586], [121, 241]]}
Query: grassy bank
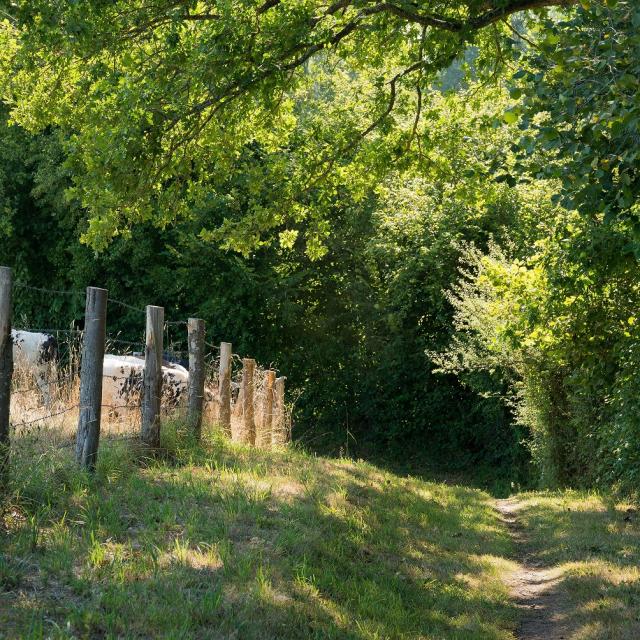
{"points": [[593, 543], [227, 542]]}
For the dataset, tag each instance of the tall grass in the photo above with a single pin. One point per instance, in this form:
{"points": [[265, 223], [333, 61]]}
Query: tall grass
{"points": [[54, 424]]}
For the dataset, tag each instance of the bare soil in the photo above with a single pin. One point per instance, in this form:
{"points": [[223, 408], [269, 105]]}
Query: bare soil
{"points": [[536, 588]]}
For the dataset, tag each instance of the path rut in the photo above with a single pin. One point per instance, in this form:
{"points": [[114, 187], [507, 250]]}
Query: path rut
{"points": [[534, 587]]}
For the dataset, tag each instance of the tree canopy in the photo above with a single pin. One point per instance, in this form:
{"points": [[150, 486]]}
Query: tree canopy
{"points": [[435, 206], [158, 102]]}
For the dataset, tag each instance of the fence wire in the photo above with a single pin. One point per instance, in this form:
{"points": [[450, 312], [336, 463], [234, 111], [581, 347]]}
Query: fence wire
{"points": [[129, 343], [69, 292], [126, 305], [26, 423], [57, 394]]}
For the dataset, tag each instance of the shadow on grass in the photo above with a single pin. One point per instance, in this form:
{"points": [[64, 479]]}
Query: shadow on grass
{"points": [[596, 546], [239, 543], [499, 480]]}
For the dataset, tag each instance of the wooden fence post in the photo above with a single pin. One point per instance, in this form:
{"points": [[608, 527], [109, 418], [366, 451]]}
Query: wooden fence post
{"points": [[196, 334], [224, 388], [264, 437], [237, 425], [248, 433], [6, 369], [152, 385], [280, 431], [95, 329]]}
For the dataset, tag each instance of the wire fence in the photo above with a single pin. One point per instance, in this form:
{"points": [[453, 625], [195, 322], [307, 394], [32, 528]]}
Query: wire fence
{"points": [[45, 393]]}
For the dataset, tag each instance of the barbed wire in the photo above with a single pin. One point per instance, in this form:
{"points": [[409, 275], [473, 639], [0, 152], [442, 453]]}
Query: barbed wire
{"points": [[36, 387], [114, 407], [128, 377], [75, 292], [67, 292], [116, 301], [131, 343], [106, 436], [72, 292], [47, 417], [126, 305]]}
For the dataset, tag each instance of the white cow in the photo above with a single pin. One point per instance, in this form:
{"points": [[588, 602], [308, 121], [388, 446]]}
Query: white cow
{"points": [[35, 354], [123, 376]]}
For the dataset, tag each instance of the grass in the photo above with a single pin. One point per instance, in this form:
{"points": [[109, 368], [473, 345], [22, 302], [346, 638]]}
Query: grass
{"points": [[595, 541], [225, 541], [222, 541]]}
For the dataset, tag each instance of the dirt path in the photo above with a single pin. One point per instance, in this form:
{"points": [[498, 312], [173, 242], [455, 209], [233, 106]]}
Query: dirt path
{"points": [[534, 587]]}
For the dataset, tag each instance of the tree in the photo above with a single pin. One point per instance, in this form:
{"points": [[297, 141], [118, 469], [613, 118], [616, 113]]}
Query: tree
{"points": [[158, 97], [580, 103]]}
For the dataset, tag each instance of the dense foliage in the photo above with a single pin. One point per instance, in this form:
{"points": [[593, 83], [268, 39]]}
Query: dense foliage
{"points": [[351, 327], [430, 228], [560, 329], [580, 103], [559, 324]]}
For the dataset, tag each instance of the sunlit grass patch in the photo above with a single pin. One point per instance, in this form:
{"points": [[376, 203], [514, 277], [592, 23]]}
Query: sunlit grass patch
{"points": [[595, 542], [215, 540]]}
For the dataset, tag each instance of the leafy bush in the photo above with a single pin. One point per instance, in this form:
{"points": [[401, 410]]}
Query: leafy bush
{"points": [[559, 329]]}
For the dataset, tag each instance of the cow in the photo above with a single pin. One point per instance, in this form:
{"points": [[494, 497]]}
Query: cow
{"points": [[123, 379], [35, 354], [167, 358], [175, 359]]}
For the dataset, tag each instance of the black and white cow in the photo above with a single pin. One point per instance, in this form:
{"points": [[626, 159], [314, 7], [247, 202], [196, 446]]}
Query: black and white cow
{"points": [[35, 354], [123, 377]]}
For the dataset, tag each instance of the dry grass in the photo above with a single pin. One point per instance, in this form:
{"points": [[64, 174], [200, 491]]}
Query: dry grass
{"points": [[55, 424]]}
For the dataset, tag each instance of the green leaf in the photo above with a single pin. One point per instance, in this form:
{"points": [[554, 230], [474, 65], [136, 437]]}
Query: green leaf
{"points": [[511, 116]]}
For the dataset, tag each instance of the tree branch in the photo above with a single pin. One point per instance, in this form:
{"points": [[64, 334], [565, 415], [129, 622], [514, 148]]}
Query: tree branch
{"points": [[412, 13], [454, 25], [269, 4], [515, 6]]}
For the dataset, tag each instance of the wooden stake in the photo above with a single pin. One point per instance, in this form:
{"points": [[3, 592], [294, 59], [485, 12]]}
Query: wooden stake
{"points": [[196, 335], [280, 432], [248, 433], [95, 329], [224, 388], [264, 437], [238, 407], [6, 369], [152, 385]]}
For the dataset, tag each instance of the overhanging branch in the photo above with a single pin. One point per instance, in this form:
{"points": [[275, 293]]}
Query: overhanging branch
{"points": [[412, 13]]}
